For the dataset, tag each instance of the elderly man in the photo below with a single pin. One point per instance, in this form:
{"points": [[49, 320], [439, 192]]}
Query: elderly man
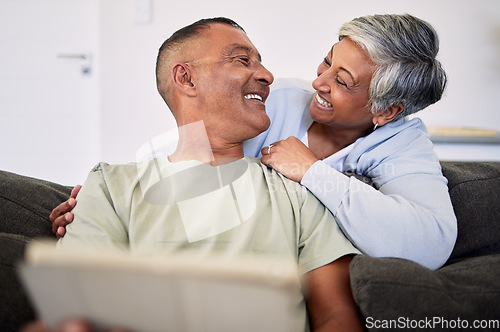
{"points": [[207, 196]]}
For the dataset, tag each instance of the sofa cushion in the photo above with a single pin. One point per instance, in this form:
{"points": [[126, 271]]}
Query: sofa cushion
{"points": [[475, 193], [26, 203], [394, 289], [15, 308]]}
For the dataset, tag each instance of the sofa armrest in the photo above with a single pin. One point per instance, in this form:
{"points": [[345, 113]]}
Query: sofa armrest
{"points": [[394, 289], [26, 204], [475, 194]]}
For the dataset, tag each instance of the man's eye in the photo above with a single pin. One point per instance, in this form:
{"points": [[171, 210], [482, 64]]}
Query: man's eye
{"points": [[245, 60]]}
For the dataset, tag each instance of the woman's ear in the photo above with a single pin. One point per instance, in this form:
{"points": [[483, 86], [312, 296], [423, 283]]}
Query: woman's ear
{"points": [[388, 115], [183, 79]]}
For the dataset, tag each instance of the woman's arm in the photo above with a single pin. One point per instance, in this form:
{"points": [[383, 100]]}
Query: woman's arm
{"points": [[409, 217]]}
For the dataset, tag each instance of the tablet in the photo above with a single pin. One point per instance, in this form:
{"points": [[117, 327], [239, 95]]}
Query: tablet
{"points": [[175, 292]]}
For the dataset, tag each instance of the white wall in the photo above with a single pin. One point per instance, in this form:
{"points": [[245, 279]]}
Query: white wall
{"points": [[49, 114], [293, 36]]}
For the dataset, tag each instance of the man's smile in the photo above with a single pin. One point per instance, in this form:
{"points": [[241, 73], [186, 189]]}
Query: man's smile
{"points": [[253, 96]]}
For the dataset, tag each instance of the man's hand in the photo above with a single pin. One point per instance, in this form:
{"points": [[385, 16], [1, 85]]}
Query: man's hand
{"points": [[61, 216], [70, 325]]}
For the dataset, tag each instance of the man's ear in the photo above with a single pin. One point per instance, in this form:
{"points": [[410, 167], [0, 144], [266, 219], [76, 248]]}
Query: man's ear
{"points": [[388, 115], [182, 78]]}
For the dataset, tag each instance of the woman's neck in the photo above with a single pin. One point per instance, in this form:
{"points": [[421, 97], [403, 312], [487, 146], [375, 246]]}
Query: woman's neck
{"points": [[325, 140]]}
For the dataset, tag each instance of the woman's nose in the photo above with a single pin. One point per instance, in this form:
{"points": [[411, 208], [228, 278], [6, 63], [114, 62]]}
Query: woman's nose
{"points": [[321, 83]]}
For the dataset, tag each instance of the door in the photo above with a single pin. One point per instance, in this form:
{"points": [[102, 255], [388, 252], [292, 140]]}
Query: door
{"points": [[49, 105]]}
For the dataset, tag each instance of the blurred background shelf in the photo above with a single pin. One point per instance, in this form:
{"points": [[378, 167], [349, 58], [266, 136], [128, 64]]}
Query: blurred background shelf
{"points": [[463, 135]]}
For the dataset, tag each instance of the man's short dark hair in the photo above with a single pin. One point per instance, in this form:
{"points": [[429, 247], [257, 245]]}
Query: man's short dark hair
{"points": [[192, 30], [185, 34]]}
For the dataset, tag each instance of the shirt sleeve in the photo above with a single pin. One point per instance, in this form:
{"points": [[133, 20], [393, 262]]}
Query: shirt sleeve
{"points": [[409, 217], [321, 240], [95, 223]]}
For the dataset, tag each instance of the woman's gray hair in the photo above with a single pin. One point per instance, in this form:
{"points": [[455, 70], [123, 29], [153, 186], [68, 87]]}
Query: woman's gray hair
{"points": [[404, 49]]}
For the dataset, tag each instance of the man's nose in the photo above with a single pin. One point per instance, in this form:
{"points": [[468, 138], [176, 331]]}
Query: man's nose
{"points": [[264, 75]]}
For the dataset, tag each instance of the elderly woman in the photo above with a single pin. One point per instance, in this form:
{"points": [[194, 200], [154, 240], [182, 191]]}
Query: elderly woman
{"points": [[383, 69]]}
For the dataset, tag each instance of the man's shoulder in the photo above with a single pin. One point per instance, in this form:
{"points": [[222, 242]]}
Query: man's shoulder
{"points": [[104, 167], [274, 179], [125, 175]]}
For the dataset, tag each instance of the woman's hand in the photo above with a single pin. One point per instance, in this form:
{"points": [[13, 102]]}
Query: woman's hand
{"points": [[290, 157], [61, 216]]}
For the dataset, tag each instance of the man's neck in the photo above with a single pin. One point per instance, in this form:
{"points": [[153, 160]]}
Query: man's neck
{"points": [[196, 144]]}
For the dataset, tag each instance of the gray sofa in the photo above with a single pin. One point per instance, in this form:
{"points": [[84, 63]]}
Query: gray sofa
{"points": [[391, 293]]}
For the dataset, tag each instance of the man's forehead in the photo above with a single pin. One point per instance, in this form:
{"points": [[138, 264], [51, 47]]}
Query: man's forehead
{"points": [[220, 40], [233, 37], [219, 30]]}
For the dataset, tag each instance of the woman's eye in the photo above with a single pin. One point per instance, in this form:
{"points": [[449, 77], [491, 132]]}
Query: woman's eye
{"points": [[326, 62], [339, 81]]}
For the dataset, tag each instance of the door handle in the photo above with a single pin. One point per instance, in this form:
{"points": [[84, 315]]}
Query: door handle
{"points": [[81, 56], [86, 59]]}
